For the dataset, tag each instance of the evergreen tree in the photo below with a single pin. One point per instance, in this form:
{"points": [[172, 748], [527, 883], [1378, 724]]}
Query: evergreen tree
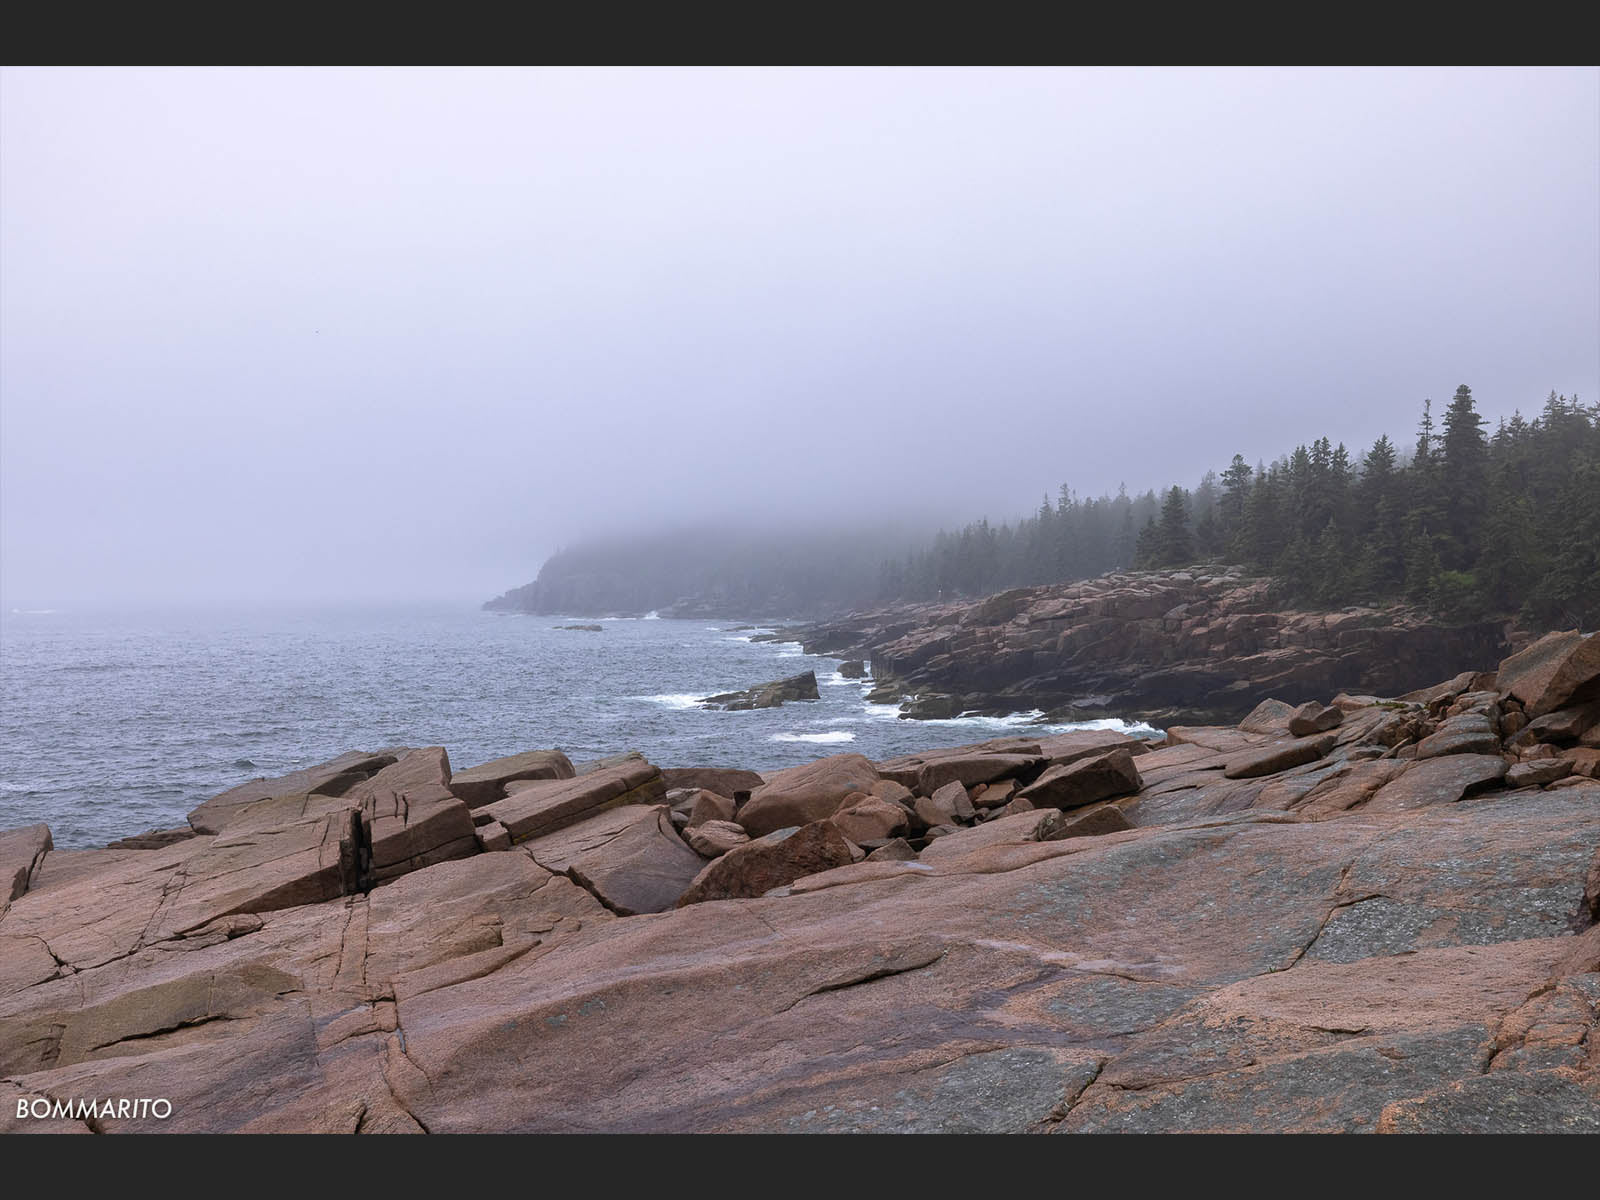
{"points": [[1174, 546]]}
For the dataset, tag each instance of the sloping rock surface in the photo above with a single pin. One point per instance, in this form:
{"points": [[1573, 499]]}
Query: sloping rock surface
{"points": [[1368, 940]]}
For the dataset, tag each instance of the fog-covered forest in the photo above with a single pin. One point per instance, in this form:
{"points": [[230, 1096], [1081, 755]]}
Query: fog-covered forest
{"points": [[1468, 520]]}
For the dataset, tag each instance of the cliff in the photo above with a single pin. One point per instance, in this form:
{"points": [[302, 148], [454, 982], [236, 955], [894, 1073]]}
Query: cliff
{"points": [[1165, 645]]}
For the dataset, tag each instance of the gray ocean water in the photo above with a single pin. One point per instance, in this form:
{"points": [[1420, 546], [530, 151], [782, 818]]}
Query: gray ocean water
{"points": [[112, 724]]}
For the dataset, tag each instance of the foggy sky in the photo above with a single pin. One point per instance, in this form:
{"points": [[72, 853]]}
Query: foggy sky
{"points": [[299, 335]]}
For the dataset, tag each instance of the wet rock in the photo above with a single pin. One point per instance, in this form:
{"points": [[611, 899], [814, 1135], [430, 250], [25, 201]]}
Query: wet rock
{"points": [[480, 785], [804, 794], [853, 668], [767, 695], [1074, 784], [770, 862]]}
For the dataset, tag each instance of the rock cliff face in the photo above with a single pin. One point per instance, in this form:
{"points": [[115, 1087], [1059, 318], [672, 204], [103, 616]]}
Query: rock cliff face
{"points": [[1168, 645], [1345, 913]]}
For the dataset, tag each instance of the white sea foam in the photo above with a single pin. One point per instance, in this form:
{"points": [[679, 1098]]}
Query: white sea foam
{"points": [[652, 615], [829, 738], [679, 700]]}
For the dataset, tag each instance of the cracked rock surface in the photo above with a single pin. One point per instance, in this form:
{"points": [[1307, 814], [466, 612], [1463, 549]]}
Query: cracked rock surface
{"points": [[1370, 938]]}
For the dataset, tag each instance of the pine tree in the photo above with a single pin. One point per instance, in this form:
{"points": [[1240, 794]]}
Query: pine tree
{"points": [[1463, 481], [1174, 546]]}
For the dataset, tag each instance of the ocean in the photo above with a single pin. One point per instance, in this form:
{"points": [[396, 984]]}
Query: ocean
{"points": [[113, 724]]}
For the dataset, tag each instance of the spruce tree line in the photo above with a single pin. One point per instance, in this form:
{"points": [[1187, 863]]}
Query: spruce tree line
{"points": [[1471, 524]]}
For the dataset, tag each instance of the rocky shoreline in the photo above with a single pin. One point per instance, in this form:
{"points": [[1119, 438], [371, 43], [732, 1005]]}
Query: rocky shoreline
{"points": [[1346, 912], [1163, 646]]}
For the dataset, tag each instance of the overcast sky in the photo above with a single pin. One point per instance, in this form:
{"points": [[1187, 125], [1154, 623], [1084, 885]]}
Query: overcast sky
{"points": [[300, 335]]}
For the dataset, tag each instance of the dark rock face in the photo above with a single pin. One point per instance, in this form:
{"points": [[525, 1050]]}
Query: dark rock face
{"points": [[1210, 646], [767, 695], [1364, 939]]}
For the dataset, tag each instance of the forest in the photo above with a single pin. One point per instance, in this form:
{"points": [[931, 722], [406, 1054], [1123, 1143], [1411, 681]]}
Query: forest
{"points": [[1469, 522]]}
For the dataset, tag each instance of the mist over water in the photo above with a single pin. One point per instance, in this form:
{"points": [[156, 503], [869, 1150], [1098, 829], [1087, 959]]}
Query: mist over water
{"points": [[113, 725]]}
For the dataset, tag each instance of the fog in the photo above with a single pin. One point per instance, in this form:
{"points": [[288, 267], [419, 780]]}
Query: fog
{"points": [[294, 336]]}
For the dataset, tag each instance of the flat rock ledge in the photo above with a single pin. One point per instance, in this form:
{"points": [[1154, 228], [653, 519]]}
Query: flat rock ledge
{"points": [[1380, 921]]}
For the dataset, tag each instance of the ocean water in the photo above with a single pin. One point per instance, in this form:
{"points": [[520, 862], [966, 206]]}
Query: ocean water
{"points": [[115, 724]]}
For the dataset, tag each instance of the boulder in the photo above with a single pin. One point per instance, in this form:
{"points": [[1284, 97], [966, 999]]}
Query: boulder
{"points": [[1439, 781], [995, 795], [1466, 733], [767, 695], [1074, 784], [1270, 716], [985, 762], [853, 668], [1312, 718], [333, 778], [1566, 724], [715, 838], [629, 858], [804, 794], [1557, 671], [894, 850], [769, 862], [409, 816], [866, 818], [724, 781], [1015, 805], [947, 806], [21, 852], [708, 806], [1059, 748], [1537, 773], [535, 807], [1585, 760], [1273, 757], [492, 836], [480, 785]]}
